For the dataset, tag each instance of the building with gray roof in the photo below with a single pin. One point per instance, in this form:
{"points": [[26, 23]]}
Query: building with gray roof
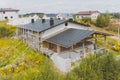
{"points": [[56, 36]]}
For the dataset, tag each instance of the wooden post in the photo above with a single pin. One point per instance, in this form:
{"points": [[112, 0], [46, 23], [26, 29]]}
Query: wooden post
{"points": [[22, 34], [83, 48], [95, 45], [72, 47], [16, 35], [118, 35], [105, 43], [58, 49], [38, 41]]}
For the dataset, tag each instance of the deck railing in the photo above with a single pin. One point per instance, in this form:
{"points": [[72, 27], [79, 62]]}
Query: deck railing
{"points": [[47, 51]]}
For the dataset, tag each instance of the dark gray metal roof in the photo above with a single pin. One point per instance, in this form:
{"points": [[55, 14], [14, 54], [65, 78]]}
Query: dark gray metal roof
{"points": [[38, 26], [8, 10], [70, 37]]}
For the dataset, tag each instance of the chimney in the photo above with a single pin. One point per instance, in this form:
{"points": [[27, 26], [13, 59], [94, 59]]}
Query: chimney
{"points": [[32, 20], [51, 22], [59, 19], [66, 23], [43, 20]]}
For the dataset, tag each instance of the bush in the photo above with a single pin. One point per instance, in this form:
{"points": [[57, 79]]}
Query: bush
{"points": [[86, 21], [103, 20], [96, 67], [4, 32]]}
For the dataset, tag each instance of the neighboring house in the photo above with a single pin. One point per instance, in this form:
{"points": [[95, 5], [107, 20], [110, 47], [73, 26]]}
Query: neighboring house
{"points": [[40, 15], [8, 13], [64, 16], [90, 14], [23, 20], [49, 16], [35, 17], [63, 41]]}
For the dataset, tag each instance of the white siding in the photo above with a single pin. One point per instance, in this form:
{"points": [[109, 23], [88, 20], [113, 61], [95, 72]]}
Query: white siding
{"points": [[14, 15], [59, 29], [92, 16], [53, 31], [95, 15]]}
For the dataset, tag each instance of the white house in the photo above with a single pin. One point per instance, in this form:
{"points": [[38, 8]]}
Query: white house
{"points": [[48, 16], [23, 20], [8, 13], [91, 14], [64, 16]]}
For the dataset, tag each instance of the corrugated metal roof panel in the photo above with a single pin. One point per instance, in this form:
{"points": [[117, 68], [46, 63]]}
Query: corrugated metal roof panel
{"points": [[70, 37], [38, 26]]}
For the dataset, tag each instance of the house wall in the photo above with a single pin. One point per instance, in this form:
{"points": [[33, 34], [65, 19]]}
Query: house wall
{"points": [[30, 37], [45, 44], [92, 16], [22, 21], [9, 15], [53, 31], [59, 16], [59, 29], [82, 16], [76, 26], [95, 15]]}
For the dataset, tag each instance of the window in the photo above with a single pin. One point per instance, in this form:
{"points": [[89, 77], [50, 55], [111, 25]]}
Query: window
{"points": [[6, 17], [11, 17], [3, 12]]}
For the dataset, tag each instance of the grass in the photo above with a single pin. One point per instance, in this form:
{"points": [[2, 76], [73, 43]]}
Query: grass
{"points": [[10, 27], [20, 60]]}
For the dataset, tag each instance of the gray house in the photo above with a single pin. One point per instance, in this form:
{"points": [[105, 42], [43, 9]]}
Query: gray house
{"points": [[64, 41], [60, 36]]}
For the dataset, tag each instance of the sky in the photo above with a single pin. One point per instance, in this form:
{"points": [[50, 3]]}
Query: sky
{"points": [[61, 6]]}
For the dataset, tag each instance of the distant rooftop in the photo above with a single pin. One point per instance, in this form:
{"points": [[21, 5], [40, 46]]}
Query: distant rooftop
{"points": [[8, 10], [87, 12], [51, 15]]}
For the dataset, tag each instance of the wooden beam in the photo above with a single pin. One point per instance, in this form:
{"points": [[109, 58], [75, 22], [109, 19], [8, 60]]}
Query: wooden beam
{"points": [[83, 48], [105, 43], [118, 35], [58, 49], [72, 47], [38, 41], [95, 42]]}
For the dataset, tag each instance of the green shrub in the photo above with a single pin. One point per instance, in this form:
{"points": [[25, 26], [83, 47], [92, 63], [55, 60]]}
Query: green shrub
{"points": [[4, 32], [103, 20], [96, 67]]}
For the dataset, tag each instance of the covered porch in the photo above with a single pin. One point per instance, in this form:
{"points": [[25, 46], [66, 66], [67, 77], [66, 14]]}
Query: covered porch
{"points": [[85, 42]]}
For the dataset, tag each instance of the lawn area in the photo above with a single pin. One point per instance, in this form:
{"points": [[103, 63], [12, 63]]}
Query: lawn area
{"points": [[10, 27], [19, 62]]}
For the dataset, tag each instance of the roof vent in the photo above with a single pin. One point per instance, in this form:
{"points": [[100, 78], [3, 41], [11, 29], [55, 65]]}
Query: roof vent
{"points": [[51, 22], [32, 20], [66, 24], [59, 18], [43, 20]]}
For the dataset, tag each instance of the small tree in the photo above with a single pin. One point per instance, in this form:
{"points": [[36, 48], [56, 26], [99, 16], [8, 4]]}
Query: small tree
{"points": [[103, 20]]}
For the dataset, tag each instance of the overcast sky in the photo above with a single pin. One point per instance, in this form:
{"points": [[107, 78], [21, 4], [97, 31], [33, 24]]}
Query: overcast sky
{"points": [[61, 6]]}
